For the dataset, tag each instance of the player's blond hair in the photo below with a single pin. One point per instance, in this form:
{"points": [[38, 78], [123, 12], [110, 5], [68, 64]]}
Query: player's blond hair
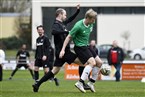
{"points": [[91, 14]]}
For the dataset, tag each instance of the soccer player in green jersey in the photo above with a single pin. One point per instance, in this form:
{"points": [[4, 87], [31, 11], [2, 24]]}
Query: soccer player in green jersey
{"points": [[80, 34]]}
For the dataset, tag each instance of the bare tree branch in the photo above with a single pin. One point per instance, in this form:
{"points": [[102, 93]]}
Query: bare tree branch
{"points": [[126, 35], [14, 5]]}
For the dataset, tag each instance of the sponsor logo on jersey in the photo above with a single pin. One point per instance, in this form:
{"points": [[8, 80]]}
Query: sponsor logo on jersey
{"points": [[39, 44], [22, 55], [45, 65]]}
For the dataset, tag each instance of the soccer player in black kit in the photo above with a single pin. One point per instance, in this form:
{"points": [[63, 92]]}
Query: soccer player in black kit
{"points": [[22, 57], [44, 54], [59, 31]]}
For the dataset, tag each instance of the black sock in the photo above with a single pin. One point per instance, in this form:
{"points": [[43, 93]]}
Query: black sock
{"points": [[1, 73], [82, 81], [31, 72], [93, 81], [13, 73], [81, 68], [36, 74], [45, 78]]}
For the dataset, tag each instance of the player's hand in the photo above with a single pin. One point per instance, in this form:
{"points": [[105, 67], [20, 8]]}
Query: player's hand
{"points": [[44, 58], [62, 52], [78, 6]]}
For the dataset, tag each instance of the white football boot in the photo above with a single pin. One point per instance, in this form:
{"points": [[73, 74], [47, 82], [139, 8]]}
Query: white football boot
{"points": [[79, 85], [91, 85]]}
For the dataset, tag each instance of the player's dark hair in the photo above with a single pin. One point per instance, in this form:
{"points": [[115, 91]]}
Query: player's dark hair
{"points": [[40, 26]]}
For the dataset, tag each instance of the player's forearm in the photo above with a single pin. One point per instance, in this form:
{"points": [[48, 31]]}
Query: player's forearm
{"points": [[17, 59], [70, 19], [68, 38]]}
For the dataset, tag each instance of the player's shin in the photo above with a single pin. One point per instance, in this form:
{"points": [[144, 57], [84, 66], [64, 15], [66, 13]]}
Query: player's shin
{"points": [[95, 71], [45, 78], [86, 72], [36, 74]]}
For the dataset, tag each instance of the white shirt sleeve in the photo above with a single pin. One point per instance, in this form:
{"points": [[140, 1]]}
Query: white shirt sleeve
{"points": [[2, 56]]}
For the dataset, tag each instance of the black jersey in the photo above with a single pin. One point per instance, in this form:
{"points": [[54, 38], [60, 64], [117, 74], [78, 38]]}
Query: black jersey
{"points": [[60, 32], [43, 45], [22, 56]]}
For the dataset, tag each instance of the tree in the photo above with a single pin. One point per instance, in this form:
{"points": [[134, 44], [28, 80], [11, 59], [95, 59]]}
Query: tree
{"points": [[17, 6], [126, 36], [23, 8]]}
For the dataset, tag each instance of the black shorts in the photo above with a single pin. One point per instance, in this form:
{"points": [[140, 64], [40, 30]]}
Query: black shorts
{"points": [[92, 51], [41, 63], [22, 65], [68, 57], [83, 53]]}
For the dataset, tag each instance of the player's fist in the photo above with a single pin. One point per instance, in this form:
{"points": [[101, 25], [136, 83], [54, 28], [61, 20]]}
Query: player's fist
{"points": [[44, 58], [61, 53], [78, 6]]}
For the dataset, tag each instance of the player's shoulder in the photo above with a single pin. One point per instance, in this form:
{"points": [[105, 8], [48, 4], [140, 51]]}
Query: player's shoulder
{"points": [[19, 51], [26, 51], [46, 37], [56, 22], [79, 23], [37, 38]]}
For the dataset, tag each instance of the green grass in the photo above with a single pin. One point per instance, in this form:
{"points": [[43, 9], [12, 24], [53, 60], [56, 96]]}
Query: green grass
{"points": [[21, 86]]}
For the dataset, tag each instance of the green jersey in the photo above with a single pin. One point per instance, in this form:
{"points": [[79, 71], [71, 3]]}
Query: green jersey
{"points": [[80, 33]]}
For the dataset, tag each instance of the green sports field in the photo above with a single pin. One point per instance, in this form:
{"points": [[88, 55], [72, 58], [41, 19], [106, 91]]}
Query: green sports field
{"points": [[21, 86]]}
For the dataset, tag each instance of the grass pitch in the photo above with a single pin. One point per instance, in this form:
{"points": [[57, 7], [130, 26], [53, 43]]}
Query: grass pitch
{"points": [[21, 86]]}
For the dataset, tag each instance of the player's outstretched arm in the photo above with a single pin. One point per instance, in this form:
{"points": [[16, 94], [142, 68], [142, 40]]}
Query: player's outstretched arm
{"points": [[70, 19]]}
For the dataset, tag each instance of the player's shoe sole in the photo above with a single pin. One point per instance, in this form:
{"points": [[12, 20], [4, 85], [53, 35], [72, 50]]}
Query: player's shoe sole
{"points": [[79, 85]]}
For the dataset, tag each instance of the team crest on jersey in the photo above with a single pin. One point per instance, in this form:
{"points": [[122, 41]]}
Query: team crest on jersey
{"points": [[41, 40]]}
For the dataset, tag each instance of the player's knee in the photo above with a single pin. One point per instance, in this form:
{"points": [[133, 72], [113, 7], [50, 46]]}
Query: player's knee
{"points": [[92, 62], [36, 69], [55, 70], [46, 70], [100, 64]]}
